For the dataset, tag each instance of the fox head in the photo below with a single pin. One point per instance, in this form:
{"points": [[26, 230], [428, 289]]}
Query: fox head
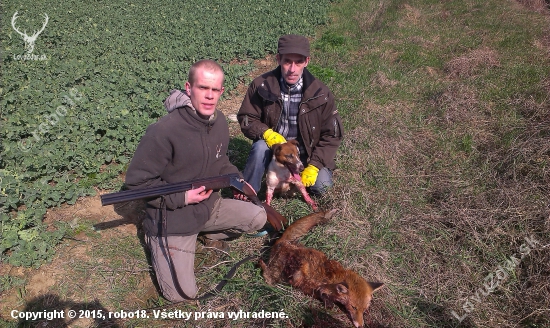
{"points": [[352, 296]]}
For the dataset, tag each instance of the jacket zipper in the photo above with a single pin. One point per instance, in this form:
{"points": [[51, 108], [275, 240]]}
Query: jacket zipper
{"points": [[281, 104], [206, 140]]}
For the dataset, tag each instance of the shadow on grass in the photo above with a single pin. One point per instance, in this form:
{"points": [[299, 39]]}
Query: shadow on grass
{"points": [[439, 316], [318, 318], [48, 303]]}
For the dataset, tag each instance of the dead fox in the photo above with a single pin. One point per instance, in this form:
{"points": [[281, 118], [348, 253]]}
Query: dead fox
{"points": [[310, 271]]}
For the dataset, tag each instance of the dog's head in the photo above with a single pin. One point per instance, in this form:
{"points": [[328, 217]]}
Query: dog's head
{"points": [[288, 154], [352, 296]]}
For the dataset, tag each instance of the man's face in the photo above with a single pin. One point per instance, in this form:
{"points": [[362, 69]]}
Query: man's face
{"points": [[205, 91], [292, 66]]}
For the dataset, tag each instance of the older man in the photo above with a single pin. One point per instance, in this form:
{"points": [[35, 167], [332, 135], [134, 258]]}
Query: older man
{"points": [[290, 103], [188, 143]]}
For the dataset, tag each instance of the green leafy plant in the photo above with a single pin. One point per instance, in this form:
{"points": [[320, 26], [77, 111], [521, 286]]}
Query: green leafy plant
{"points": [[8, 282]]}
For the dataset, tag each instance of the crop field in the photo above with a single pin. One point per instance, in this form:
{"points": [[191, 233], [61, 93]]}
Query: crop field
{"points": [[443, 179]]}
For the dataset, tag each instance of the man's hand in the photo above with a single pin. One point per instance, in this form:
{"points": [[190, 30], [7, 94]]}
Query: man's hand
{"points": [[309, 175], [272, 138], [239, 196], [197, 195]]}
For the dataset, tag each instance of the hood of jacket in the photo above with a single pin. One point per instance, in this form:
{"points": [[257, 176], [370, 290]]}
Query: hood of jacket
{"points": [[177, 99]]}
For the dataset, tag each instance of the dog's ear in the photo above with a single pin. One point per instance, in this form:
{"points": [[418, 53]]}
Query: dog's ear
{"points": [[375, 285], [276, 149], [294, 142]]}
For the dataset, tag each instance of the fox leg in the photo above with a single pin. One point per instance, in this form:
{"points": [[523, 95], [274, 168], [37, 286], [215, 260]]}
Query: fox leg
{"points": [[266, 273]]}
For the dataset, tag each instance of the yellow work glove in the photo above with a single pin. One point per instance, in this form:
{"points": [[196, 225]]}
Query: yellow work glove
{"points": [[272, 138], [309, 175]]}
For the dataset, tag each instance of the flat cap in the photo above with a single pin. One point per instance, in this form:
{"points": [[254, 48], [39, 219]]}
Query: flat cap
{"points": [[293, 44]]}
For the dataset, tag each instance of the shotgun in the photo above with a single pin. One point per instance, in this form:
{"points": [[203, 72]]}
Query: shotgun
{"points": [[218, 182]]}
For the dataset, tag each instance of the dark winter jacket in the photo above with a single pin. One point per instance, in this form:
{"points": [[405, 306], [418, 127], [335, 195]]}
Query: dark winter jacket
{"points": [[318, 121], [181, 146]]}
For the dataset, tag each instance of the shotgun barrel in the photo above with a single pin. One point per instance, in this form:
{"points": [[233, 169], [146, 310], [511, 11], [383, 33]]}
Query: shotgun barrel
{"points": [[217, 182], [222, 181]]}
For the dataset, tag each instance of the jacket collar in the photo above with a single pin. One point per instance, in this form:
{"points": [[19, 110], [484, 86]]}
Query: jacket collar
{"points": [[271, 90], [189, 112], [308, 78]]}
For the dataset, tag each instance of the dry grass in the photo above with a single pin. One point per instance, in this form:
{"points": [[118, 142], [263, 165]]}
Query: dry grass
{"points": [[437, 187], [443, 189], [542, 6], [448, 217], [472, 63]]}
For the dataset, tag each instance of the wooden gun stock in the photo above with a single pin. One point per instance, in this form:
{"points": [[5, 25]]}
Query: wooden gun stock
{"points": [[274, 218]]}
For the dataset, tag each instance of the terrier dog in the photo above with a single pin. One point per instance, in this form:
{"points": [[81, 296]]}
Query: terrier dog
{"points": [[310, 271], [284, 172]]}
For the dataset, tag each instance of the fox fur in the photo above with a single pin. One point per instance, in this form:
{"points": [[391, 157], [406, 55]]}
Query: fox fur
{"points": [[310, 271]]}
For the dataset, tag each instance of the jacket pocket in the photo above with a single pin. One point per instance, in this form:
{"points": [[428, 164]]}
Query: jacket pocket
{"points": [[313, 129], [336, 128]]}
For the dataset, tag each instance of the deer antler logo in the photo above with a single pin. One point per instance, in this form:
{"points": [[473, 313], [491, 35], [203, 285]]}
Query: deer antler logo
{"points": [[29, 40]]}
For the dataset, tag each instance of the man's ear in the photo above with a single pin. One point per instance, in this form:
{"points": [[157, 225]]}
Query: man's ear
{"points": [[294, 142], [188, 88], [278, 56], [307, 61]]}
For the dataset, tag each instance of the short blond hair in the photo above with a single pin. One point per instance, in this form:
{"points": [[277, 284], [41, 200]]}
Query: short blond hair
{"points": [[206, 64]]}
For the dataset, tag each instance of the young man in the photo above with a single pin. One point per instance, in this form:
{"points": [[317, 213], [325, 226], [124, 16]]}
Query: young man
{"points": [[188, 143], [290, 103]]}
